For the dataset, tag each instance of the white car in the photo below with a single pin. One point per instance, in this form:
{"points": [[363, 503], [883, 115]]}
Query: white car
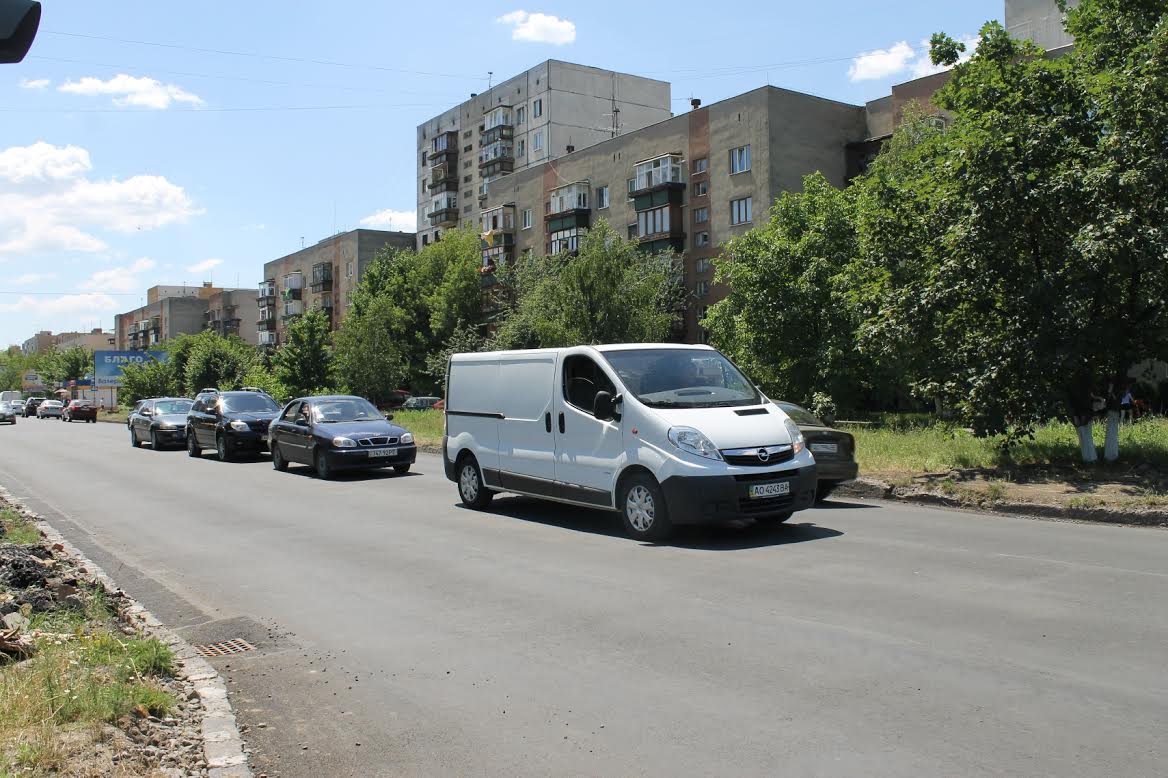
{"points": [[664, 434], [7, 413], [49, 408]]}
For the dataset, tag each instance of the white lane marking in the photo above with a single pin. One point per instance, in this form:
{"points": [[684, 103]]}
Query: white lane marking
{"points": [[1084, 564]]}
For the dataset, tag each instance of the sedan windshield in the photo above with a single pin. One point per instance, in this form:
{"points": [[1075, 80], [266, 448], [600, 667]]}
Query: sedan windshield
{"points": [[682, 378], [172, 407], [344, 409], [249, 403]]}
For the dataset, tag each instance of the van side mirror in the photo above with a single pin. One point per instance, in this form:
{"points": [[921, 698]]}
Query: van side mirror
{"points": [[388, 416], [604, 406]]}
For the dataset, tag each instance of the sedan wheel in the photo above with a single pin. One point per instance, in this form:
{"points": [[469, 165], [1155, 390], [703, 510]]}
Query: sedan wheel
{"points": [[133, 439], [278, 461], [193, 449], [323, 470], [154, 440]]}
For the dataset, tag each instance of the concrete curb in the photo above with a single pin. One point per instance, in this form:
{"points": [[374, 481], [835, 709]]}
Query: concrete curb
{"points": [[223, 747], [873, 489]]}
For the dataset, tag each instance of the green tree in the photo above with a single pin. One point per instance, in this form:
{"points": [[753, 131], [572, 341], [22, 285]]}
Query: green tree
{"points": [[790, 318], [216, 362], [303, 362], [368, 358], [611, 292], [151, 378]]}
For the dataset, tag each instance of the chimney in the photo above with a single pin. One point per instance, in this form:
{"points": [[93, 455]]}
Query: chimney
{"points": [[570, 148], [695, 103], [206, 284], [473, 95]]}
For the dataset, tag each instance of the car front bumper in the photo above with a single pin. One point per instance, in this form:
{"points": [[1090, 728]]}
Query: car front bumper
{"points": [[837, 472], [175, 436], [360, 459], [251, 440], [721, 498]]}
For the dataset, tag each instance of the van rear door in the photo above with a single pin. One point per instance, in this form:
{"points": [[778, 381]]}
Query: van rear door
{"points": [[527, 433]]}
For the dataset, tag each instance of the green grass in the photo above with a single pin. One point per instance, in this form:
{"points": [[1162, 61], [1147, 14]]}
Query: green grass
{"points": [[18, 529], [427, 426], [941, 448]]}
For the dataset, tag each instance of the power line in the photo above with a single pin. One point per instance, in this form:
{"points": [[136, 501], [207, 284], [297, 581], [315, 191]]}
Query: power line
{"points": [[257, 109], [93, 293], [256, 55]]}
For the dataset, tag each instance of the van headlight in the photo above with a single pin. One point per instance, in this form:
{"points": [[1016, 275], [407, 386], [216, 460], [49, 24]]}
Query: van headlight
{"points": [[407, 438], [797, 442], [341, 442], [690, 440]]}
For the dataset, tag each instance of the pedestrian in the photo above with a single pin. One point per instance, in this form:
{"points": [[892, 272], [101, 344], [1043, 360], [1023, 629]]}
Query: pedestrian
{"points": [[1127, 404]]}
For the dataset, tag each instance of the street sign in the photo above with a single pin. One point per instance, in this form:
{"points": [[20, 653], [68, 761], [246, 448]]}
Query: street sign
{"points": [[108, 364]]}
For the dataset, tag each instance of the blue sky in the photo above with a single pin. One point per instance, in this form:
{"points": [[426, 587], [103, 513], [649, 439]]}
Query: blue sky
{"points": [[124, 165]]}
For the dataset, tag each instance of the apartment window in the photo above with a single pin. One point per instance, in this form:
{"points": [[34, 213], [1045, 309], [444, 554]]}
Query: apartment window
{"points": [[602, 197], [655, 221], [632, 231], [702, 239], [740, 210], [565, 240], [537, 141], [702, 289], [701, 165], [739, 159], [467, 147], [468, 193], [527, 218], [466, 165], [701, 215], [702, 265], [522, 147], [349, 270], [520, 114], [701, 188], [425, 240], [632, 187], [537, 108], [466, 179]]}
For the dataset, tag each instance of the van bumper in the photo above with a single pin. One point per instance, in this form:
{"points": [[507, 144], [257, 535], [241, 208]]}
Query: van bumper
{"points": [[715, 499], [447, 465]]}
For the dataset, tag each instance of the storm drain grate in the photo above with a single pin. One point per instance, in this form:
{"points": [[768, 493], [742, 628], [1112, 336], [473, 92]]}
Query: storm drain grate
{"points": [[226, 648]]}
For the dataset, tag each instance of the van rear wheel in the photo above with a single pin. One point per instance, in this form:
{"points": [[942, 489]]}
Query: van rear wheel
{"points": [[471, 489], [643, 510]]}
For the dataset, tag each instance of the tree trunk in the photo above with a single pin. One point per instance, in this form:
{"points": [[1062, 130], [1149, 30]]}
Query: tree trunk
{"points": [[1111, 443], [1087, 444]]}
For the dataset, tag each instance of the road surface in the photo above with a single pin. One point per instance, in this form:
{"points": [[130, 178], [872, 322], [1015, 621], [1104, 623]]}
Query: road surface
{"points": [[400, 634]]}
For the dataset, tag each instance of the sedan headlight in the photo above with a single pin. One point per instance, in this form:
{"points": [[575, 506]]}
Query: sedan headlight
{"points": [[407, 438], [341, 442], [167, 427], [690, 440], [797, 443], [239, 425]]}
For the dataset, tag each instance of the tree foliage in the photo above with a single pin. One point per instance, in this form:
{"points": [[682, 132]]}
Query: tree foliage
{"points": [[303, 363], [151, 378]]}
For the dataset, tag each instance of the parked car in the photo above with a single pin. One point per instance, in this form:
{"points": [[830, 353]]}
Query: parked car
{"points": [[439, 406], [419, 403], [80, 410], [834, 450], [137, 406], [31, 405], [49, 408], [231, 423], [661, 434], [339, 432], [397, 398], [7, 413], [159, 421]]}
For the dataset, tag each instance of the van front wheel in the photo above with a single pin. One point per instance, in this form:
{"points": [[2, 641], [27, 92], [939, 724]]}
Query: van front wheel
{"points": [[643, 510], [471, 488]]}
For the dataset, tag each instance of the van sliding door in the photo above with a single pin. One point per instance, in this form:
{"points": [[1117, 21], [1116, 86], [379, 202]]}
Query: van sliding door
{"points": [[527, 431]]}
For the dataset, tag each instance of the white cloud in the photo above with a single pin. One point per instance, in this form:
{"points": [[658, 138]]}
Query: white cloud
{"points": [[882, 62], [389, 219], [119, 279], [204, 266], [128, 90], [902, 59], [34, 83], [539, 28], [70, 304], [44, 162], [48, 204], [28, 279]]}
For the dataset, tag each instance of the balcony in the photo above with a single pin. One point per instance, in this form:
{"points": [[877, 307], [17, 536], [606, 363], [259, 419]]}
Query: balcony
{"points": [[502, 132], [294, 281], [267, 293], [443, 180], [443, 147], [568, 200], [662, 172], [292, 310], [444, 217], [267, 339], [266, 325], [497, 158], [322, 278]]}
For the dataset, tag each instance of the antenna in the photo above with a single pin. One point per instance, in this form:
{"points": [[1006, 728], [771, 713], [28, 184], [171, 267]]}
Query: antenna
{"points": [[490, 78]]}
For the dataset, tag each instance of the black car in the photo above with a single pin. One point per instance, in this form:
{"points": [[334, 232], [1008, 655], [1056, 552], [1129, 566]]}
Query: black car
{"points": [[230, 423], [339, 432], [160, 420], [31, 405], [834, 451]]}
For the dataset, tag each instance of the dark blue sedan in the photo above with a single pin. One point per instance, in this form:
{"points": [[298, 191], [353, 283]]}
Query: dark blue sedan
{"points": [[338, 432]]}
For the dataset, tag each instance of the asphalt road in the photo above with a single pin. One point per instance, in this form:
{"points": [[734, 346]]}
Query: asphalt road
{"points": [[866, 639]]}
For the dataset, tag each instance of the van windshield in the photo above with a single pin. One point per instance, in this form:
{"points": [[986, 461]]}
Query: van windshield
{"points": [[682, 378]]}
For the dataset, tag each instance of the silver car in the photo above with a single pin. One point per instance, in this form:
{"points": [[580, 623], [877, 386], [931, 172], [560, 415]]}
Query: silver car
{"points": [[50, 408], [7, 413]]}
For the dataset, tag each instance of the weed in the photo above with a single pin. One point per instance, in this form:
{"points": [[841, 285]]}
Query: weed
{"points": [[948, 487], [996, 491], [1083, 502], [18, 529]]}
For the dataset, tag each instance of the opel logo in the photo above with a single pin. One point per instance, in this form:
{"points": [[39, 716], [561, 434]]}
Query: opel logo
{"points": [[763, 455]]}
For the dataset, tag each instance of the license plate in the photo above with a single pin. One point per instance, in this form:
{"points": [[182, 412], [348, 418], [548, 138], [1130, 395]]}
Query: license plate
{"points": [[825, 448], [762, 491], [380, 453]]}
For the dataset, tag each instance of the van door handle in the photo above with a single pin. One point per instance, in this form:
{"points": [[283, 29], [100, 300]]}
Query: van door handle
{"points": [[561, 424], [547, 421]]}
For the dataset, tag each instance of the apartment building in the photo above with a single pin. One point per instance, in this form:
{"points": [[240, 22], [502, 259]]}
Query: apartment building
{"points": [[94, 340], [527, 120], [165, 316], [1039, 20], [42, 341], [688, 184], [321, 276], [233, 312]]}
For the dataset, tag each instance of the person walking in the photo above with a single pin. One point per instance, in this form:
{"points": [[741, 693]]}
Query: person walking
{"points": [[1127, 405]]}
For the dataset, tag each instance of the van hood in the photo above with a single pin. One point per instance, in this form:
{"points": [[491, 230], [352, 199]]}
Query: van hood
{"points": [[727, 429]]}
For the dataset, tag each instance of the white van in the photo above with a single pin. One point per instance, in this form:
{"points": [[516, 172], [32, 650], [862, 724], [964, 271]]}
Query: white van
{"points": [[665, 434], [13, 397]]}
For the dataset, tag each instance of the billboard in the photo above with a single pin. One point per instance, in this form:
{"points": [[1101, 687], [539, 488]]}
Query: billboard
{"points": [[31, 382], [108, 364]]}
